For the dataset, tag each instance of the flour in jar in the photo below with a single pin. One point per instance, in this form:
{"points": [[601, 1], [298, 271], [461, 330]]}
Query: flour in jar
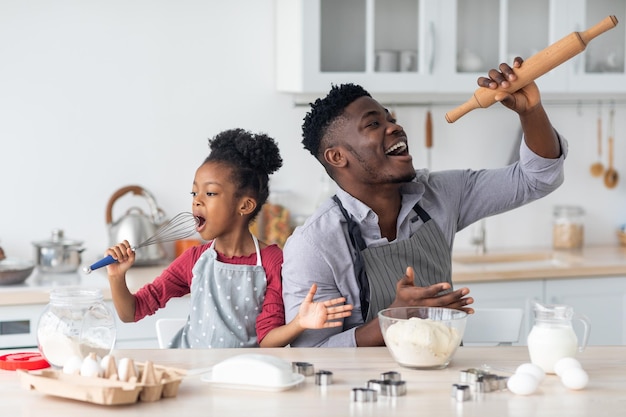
{"points": [[57, 348], [422, 342]]}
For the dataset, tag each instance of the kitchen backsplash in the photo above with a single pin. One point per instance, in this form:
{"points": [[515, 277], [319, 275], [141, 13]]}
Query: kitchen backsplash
{"points": [[137, 107]]}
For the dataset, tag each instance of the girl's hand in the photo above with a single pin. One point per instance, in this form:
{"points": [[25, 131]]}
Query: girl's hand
{"points": [[318, 315], [124, 256]]}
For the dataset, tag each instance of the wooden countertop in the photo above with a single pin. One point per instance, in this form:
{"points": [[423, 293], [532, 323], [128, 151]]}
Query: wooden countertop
{"points": [[467, 267], [517, 264], [36, 289], [428, 392]]}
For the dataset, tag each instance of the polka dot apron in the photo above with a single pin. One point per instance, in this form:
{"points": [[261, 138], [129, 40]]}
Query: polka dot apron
{"points": [[225, 302]]}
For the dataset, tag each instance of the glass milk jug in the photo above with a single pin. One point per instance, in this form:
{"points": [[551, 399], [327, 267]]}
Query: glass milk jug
{"points": [[75, 322], [552, 336]]}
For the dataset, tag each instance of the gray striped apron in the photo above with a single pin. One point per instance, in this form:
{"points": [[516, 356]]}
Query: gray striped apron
{"points": [[378, 269]]}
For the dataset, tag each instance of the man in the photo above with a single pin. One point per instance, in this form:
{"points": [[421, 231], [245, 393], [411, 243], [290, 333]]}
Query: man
{"points": [[385, 239]]}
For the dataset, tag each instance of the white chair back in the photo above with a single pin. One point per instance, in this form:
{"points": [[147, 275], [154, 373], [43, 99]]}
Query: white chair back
{"points": [[493, 326], [166, 329]]}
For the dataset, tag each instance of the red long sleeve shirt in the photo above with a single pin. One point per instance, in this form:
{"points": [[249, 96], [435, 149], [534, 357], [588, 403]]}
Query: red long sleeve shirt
{"points": [[175, 281]]}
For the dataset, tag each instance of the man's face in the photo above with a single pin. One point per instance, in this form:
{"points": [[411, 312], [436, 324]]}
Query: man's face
{"points": [[375, 146]]}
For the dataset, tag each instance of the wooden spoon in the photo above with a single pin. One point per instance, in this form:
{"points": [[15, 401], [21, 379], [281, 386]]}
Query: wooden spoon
{"points": [[429, 137], [610, 176], [597, 169]]}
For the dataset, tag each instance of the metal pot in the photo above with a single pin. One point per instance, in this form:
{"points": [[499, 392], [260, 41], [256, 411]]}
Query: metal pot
{"points": [[58, 255]]}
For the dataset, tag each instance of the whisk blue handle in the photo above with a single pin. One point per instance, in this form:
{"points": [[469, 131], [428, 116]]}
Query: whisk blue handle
{"points": [[102, 262], [181, 226]]}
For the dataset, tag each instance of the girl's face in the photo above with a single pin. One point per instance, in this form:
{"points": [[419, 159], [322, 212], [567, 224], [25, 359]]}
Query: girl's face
{"points": [[215, 205]]}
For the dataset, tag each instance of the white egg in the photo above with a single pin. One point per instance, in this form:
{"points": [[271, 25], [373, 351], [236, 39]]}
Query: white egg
{"points": [[531, 368], [90, 368], [108, 360], [522, 384], [565, 363], [574, 378], [72, 365], [104, 363], [123, 371]]}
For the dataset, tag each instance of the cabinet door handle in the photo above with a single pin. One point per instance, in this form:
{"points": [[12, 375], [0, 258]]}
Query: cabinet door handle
{"points": [[432, 43], [578, 61]]}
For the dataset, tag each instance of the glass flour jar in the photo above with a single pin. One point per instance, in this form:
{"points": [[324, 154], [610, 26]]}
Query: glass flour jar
{"points": [[568, 227], [75, 322]]}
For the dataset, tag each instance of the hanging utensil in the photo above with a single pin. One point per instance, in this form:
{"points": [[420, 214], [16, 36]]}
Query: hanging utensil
{"points": [[181, 226], [610, 176], [429, 137], [597, 169]]}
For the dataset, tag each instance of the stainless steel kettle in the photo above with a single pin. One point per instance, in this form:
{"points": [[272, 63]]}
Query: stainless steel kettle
{"points": [[136, 226]]}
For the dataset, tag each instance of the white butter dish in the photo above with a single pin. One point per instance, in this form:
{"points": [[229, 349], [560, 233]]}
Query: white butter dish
{"points": [[253, 371]]}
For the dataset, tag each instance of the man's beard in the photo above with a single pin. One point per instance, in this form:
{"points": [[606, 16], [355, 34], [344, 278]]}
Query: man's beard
{"points": [[407, 178]]}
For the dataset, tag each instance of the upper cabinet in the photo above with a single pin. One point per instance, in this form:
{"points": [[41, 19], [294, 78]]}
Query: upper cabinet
{"points": [[387, 46], [440, 46], [600, 69]]}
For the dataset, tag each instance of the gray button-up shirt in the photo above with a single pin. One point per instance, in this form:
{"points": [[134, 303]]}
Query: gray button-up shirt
{"points": [[320, 251]]}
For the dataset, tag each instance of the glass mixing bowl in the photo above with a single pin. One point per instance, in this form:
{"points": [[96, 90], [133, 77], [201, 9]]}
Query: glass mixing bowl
{"points": [[422, 337]]}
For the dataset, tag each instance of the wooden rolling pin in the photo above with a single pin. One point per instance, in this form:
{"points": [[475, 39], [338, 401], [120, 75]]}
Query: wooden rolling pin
{"points": [[535, 66]]}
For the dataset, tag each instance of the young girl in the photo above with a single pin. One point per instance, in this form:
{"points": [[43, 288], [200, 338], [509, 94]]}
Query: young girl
{"points": [[233, 280]]}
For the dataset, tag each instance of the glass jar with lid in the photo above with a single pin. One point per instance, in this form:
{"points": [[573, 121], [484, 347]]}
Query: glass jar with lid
{"points": [[76, 322], [568, 227]]}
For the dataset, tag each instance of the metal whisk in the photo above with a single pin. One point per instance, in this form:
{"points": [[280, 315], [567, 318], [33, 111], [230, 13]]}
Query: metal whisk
{"points": [[180, 226]]}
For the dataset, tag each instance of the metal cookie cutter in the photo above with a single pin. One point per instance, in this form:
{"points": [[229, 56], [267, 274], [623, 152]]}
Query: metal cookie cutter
{"points": [[483, 381], [396, 388], [304, 368], [323, 378], [377, 385], [363, 395], [490, 382], [460, 392], [470, 376], [391, 376], [387, 387]]}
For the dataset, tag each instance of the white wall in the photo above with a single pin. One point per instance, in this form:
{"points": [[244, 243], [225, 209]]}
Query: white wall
{"points": [[96, 95]]}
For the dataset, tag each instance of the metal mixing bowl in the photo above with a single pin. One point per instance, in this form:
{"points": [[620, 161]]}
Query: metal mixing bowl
{"points": [[15, 271]]}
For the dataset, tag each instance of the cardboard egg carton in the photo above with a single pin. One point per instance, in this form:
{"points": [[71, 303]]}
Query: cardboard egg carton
{"points": [[144, 382]]}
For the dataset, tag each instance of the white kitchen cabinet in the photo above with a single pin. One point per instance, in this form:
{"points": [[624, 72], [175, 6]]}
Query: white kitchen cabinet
{"points": [[601, 299], [508, 294], [18, 325], [600, 69], [485, 33], [324, 42], [142, 334]]}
